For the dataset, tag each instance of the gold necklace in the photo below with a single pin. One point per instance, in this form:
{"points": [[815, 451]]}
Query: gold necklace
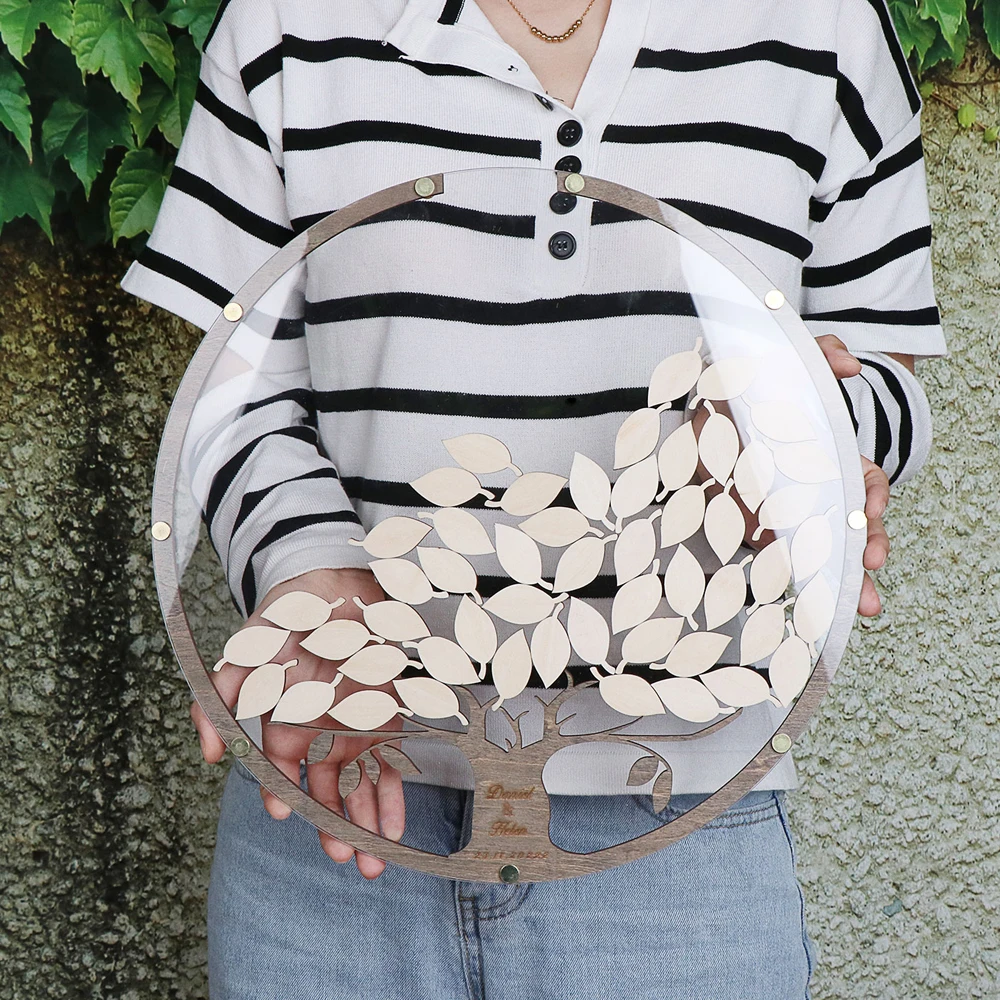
{"points": [[544, 36]]}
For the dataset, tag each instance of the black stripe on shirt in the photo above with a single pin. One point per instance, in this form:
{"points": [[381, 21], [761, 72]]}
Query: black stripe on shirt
{"points": [[493, 223], [344, 133], [889, 31], [852, 105], [816, 61], [215, 24], [237, 123], [451, 11], [904, 445], [451, 308], [850, 405], [883, 430], [240, 216], [928, 316], [837, 274], [185, 275], [253, 499], [763, 140]]}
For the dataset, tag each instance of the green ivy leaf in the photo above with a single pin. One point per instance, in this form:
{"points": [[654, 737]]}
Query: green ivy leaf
{"points": [[186, 84], [136, 193], [127, 4], [991, 22], [15, 112], [83, 133], [166, 108], [992, 134], [949, 14], [21, 19], [195, 15], [942, 50], [966, 115], [106, 40], [914, 32], [23, 189]]}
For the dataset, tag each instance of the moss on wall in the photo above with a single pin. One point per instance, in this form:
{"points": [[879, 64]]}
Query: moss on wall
{"points": [[107, 814]]}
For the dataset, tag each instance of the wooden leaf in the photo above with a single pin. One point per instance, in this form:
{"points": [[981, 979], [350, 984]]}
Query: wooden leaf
{"points": [[812, 545], [304, 702], [375, 665], [461, 531], [637, 437], [781, 421], [395, 621], [635, 489], [789, 669], [337, 640], [589, 487], [651, 640], [814, 609], [298, 611], [677, 458], [683, 515], [787, 507], [520, 604], [478, 453], [395, 536], [630, 695], [684, 582], [260, 691], [532, 492], [727, 378], [447, 487], [762, 633], [550, 649], [719, 446], [687, 698], [475, 631], [661, 790], [634, 550], [754, 474], [643, 771], [724, 526], [403, 580], [556, 526], [518, 554], [770, 572], [725, 595], [430, 699], [447, 570], [674, 377], [635, 602], [366, 710], [580, 564], [511, 667], [446, 661], [254, 645], [696, 653], [737, 686], [588, 632], [806, 462]]}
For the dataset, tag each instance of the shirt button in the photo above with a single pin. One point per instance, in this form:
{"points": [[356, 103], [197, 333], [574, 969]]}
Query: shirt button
{"points": [[571, 163], [569, 133], [562, 245], [544, 102], [562, 202]]}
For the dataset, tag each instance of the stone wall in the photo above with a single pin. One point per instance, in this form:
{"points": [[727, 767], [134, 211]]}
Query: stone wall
{"points": [[107, 813]]}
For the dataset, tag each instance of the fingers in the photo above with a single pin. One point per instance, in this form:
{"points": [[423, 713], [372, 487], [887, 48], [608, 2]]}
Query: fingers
{"points": [[841, 361], [869, 603], [362, 804], [389, 792], [212, 745], [285, 746], [876, 489], [324, 786]]}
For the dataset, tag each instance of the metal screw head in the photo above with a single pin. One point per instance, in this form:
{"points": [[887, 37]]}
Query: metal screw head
{"points": [[233, 312], [574, 183], [774, 299], [424, 187], [857, 519], [781, 743], [240, 746], [160, 531], [509, 874]]}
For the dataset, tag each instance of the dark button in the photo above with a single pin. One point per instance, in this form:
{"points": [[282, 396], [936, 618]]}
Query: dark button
{"points": [[571, 163], [544, 102], [569, 133], [562, 245], [562, 202]]}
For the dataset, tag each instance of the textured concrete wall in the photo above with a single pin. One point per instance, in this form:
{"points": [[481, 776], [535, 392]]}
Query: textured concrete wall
{"points": [[107, 814]]}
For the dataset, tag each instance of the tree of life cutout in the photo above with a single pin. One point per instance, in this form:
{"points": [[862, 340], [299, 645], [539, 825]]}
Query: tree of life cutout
{"points": [[776, 474]]}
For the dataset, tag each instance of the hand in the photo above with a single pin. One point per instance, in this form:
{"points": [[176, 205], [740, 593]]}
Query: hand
{"points": [[376, 807]]}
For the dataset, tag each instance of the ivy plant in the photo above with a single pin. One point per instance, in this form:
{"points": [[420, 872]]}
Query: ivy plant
{"points": [[95, 94]]}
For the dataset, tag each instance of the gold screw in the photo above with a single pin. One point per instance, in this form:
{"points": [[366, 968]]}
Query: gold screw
{"points": [[781, 743], [160, 531], [574, 183], [233, 312], [774, 299], [857, 519], [424, 187], [240, 746], [509, 874]]}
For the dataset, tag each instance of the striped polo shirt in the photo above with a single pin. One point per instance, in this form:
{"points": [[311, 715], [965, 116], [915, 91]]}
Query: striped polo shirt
{"points": [[790, 128]]}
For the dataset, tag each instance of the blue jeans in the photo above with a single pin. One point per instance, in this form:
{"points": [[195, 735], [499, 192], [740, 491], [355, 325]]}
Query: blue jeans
{"points": [[717, 916]]}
